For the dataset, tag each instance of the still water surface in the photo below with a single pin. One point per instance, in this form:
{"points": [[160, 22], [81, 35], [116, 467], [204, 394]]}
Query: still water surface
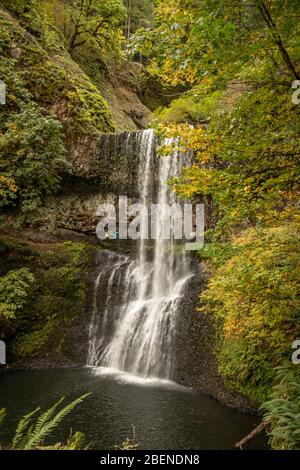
{"points": [[165, 416]]}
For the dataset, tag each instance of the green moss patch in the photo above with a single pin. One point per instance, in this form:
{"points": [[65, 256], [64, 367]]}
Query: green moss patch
{"points": [[55, 302]]}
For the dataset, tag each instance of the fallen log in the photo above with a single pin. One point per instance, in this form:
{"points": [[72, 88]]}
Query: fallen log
{"points": [[253, 433]]}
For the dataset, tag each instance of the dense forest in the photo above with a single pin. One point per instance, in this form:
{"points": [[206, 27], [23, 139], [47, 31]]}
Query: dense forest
{"points": [[220, 79]]}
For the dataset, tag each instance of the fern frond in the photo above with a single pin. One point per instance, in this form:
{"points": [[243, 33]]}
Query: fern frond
{"points": [[22, 428], [2, 414], [76, 441], [44, 417], [37, 436]]}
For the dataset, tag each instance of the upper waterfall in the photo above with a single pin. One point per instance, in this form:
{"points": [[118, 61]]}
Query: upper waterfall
{"points": [[137, 334]]}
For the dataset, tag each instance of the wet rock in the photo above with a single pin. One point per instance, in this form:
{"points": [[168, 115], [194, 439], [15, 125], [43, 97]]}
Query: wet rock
{"points": [[196, 362]]}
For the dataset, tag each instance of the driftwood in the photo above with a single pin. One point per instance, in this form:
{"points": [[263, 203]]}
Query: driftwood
{"points": [[253, 433]]}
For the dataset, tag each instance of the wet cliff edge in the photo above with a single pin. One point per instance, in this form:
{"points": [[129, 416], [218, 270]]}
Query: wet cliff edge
{"points": [[196, 359]]}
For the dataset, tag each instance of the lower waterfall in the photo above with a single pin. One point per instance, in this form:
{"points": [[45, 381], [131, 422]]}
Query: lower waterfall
{"points": [[137, 301]]}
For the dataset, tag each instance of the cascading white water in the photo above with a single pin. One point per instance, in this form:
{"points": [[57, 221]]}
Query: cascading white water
{"points": [[137, 334]]}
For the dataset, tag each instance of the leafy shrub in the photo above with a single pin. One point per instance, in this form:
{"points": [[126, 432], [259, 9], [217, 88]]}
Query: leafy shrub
{"points": [[14, 288], [255, 299], [183, 109], [283, 409], [32, 151], [19, 6]]}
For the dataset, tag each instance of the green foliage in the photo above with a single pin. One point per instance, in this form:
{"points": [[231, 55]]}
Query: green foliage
{"points": [[140, 14], [19, 7], [254, 296], [89, 110], [33, 344], [47, 69], [32, 430], [16, 93], [52, 302], [238, 61], [31, 147], [14, 289], [283, 409], [185, 109], [98, 21], [252, 151], [197, 42], [32, 155], [32, 140]]}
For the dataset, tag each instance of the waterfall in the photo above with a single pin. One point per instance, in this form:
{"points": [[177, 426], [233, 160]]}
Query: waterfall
{"points": [[136, 302]]}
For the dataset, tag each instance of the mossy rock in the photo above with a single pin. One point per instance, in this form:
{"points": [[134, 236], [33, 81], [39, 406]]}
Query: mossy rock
{"points": [[59, 85], [56, 302]]}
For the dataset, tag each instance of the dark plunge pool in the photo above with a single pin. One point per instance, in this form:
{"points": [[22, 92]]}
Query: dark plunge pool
{"points": [[164, 415]]}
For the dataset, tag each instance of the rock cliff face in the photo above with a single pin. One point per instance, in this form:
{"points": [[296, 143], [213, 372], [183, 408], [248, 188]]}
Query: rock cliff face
{"points": [[96, 104], [196, 359], [86, 100], [76, 211], [122, 91], [113, 172], [115, 163]]}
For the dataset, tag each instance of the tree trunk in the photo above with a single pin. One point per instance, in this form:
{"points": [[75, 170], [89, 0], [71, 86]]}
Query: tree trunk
{"points": [[266, 15], [128, 25], [253, 433]]}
